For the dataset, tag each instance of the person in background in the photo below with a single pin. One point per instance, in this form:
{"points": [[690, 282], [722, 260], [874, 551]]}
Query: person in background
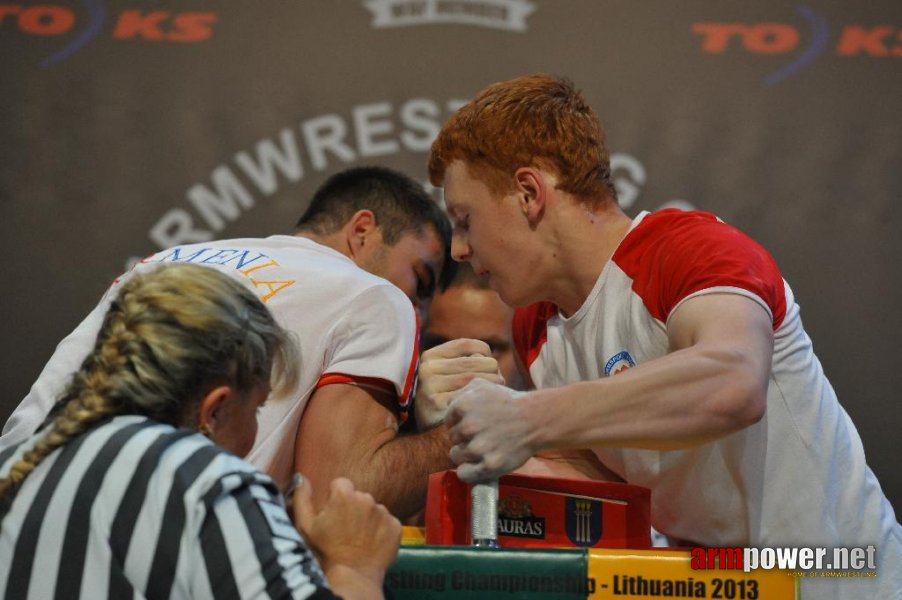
{"points": [[668, 343], [468, 310], [133, 486], [367, 254]]}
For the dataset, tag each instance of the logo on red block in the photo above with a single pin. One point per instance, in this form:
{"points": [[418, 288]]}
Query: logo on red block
{"points": [[515, 519], [583, 521]]}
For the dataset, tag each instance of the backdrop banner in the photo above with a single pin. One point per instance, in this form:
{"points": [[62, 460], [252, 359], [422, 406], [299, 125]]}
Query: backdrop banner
{"points": [[134, 125]]}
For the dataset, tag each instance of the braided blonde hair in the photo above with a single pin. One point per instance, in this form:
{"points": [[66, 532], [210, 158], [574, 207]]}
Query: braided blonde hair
{"points": [[168, 337]]}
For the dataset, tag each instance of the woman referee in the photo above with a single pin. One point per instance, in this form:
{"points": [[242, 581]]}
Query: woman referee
{"points": [[118, 495]]}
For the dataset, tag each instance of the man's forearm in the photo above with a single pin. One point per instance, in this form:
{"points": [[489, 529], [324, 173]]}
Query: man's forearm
{"points": [[712, 382], [680, 400], [398, 471]]}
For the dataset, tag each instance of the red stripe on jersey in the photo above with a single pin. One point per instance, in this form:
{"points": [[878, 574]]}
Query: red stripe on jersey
{"points": [[383, 384], [529, 330], [672, 254], [410, 380], [373, 382]]}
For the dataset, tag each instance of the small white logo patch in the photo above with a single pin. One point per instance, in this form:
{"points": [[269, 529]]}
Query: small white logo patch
{"points": [[279, 523]]}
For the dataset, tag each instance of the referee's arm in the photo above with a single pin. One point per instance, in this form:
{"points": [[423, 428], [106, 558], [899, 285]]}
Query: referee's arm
{"points": [[250, 549]]}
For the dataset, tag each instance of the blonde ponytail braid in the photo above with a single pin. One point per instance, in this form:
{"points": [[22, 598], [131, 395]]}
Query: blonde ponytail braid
{"points": [[87, 401], [78, 415], [168, 337]]}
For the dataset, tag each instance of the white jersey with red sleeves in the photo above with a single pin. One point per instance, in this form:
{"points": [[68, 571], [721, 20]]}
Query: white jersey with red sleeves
{"points": [[796, 478], [352, 327]]}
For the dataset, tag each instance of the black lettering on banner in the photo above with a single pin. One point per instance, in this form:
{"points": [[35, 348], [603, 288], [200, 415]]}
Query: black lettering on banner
{"points": [[744, 589], [514, 583]]}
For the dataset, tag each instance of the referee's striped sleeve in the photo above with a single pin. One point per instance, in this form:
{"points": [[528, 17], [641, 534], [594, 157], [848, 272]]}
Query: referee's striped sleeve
{"points": [[250, 549]]}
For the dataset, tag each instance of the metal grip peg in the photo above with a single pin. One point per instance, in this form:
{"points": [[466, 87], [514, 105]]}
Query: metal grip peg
{"points": [[484, 514]]}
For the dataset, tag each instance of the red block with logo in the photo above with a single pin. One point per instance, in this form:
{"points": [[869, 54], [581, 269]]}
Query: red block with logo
{"points": [[544, 512]]}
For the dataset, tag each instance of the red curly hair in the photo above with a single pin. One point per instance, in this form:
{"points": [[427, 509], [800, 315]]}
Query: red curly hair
{"points": [[534, 120]]}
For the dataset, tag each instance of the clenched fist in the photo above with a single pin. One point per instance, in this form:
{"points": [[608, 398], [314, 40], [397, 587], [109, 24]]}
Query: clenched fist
{"points": [[445, 370]]}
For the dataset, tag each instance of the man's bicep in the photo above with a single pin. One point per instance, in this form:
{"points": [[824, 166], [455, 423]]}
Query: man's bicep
{"points": [[732, 322], [342, 427]]}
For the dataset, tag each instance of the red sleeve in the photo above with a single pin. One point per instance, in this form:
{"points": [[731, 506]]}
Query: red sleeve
{"points": [[673, 254], [371, 382], [528, 330], [410, 382]]}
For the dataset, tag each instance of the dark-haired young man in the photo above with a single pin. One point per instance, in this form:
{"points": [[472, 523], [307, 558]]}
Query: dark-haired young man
{"points": [[331, 283], [669, 344]]}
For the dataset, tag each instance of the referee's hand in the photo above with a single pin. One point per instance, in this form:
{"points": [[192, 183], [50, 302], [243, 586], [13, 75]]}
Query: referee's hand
{"points": [[351, 531]]}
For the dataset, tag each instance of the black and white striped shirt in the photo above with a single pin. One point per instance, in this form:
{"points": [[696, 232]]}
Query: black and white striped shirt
{"points": [[137, 509]]}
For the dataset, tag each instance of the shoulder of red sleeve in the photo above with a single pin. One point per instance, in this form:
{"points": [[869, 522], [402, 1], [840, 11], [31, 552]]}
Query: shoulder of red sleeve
{"points": [[673, 254], [529, 330]]}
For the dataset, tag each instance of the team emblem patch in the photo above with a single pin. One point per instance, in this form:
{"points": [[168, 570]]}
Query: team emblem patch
{"points": [[619, 362], [583, 521]]}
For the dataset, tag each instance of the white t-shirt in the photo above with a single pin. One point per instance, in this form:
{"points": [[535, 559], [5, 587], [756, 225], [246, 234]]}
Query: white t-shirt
{"points": [[352, 327], [796, 478]]}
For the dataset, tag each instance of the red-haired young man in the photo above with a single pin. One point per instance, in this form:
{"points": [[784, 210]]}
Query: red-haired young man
{"points": [[669, 344]]}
